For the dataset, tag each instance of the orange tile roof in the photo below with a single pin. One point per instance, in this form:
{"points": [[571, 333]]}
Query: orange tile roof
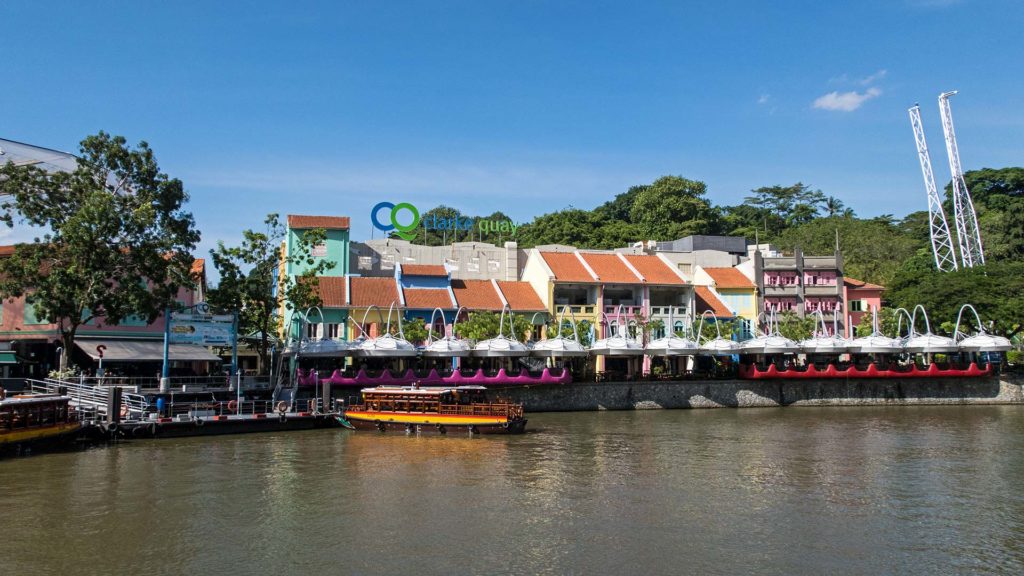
{"points": [[566, 267], [854, 283], [521, 296], [729, 278], [6, 250], [610, 268], [331, 290], [654, 269], [198, 267], [476, 294], [326, 222], [424, 270], [368, 290], [427, 298], [706, 300]]}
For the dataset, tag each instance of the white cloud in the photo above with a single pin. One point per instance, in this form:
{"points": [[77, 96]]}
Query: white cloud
{"points": [[873, 77], [764, 98], [846, 101]]}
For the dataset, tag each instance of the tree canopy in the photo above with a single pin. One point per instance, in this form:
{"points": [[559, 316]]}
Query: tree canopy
{"points": [[116, 241], [247, 280]]}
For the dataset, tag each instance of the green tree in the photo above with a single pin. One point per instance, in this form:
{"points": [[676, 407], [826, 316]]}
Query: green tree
{"points": [[247, 280], [785, 206], [483, 325], [794, 327], [118, 241], [708, 331], [673, 207], [873, 250], [415, 330]]}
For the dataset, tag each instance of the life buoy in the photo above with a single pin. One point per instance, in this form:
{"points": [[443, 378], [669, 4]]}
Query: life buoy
{"points": [[504, 424], [112, 428], [232, 406], [282, 406]]}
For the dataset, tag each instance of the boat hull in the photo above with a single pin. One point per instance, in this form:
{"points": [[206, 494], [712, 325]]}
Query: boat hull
{"points": [[56, 437], [434, 423]]}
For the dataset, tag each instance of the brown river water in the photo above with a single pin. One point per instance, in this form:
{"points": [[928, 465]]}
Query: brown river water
{"points": [[901, 490]]}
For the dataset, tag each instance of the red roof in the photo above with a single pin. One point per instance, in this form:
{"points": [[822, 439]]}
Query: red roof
{"points": [[423, 270], [654, 269], [476, 294], [427, 298], [706, 300], [610, 268], [367, 291], [6, 250], [854, 283], [521, 296], [729, 278], [326, 222], [566, 267], [331, 290]]}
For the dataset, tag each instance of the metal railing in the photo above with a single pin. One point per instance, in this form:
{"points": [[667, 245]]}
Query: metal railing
{"points": [[93, 399], [198, 383]]}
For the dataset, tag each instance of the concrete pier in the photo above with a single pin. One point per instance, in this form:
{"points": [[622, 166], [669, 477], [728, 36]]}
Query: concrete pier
{"points": [[642, 395]]}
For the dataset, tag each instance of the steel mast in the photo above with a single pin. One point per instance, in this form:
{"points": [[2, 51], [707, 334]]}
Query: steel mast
{"points": [[942, 243], [968, 234]]}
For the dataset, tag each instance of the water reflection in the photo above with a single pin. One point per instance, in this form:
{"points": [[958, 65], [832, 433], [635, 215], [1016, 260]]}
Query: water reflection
{"points": [[794, 491]]}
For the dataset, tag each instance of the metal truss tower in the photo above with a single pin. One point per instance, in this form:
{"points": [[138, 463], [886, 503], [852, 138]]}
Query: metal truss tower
{"points": [[942, 242], [968, 234]]}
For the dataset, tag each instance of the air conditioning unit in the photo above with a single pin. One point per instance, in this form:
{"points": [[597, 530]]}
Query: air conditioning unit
{"points": [[652, 244]]}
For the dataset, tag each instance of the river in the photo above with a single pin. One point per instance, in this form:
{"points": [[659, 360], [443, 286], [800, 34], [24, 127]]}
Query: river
{"points": [[909, 490]]}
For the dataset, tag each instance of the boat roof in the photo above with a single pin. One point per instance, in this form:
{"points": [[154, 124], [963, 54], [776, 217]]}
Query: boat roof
{"points": [[427, 391], [32, 399]]}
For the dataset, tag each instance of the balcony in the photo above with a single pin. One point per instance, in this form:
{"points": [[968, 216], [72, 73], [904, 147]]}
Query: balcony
{"points": [[580, 309], [791, 290], [677, 311], [821, 290], [629, 310]]}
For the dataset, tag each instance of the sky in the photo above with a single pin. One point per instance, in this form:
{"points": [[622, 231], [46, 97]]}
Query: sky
{"points": [[523, 106]]}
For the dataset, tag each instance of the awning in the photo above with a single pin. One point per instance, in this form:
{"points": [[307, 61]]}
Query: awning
{"points": [[144, 351], [8, 357]]}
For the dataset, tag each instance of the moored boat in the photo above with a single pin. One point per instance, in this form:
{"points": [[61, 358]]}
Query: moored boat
{"points": [[435, 410], [36, 421]]}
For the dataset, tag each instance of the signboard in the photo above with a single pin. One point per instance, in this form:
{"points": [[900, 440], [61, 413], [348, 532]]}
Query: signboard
{"points": [[198, 326]]}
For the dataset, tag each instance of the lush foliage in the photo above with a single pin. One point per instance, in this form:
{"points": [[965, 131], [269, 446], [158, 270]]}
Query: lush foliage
{"points": [[796, 328], [483, 325], [583, 330], [117, 241], [415, 330], [247, 280]]}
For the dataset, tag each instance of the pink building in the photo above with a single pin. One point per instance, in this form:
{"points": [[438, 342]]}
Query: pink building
{"points": [[860, 298], [34, 341]]}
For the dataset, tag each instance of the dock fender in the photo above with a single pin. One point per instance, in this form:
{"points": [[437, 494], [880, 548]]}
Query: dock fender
{"points": [[151, 429], [441, 429], [198, 422], [112, 428], [282, 406], [232, 406], [282, 417], [381, 426]]}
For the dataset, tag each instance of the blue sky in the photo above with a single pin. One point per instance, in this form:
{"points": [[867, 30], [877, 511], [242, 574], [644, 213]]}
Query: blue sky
{"points": [[525, 107]]}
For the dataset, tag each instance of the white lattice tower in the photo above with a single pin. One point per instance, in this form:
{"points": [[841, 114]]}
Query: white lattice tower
{"points": [[968, 234], [942, 242]]}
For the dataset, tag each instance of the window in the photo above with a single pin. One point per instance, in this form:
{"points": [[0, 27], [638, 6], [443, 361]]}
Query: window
{"points": [[678, 327], [857, 306], [312, 331], [30, 315], [332, 330]]}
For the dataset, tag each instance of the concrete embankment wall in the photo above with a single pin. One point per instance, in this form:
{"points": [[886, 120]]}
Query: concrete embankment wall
{"points": [[1006, 389]]}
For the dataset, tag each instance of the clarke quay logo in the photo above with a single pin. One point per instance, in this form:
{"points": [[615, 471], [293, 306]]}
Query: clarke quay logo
{"points": [[404, 218]]}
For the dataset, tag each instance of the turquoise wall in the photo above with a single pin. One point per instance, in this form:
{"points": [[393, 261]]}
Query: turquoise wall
{"points": [[337, 252]]}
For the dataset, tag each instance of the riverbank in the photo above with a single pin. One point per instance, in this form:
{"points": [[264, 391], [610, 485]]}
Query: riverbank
{"points": [[645, 395]]}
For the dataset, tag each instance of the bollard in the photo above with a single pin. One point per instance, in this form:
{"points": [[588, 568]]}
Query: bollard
{"points": [[114, 405]]}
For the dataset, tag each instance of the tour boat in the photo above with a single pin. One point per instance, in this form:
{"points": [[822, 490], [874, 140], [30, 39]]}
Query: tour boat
{"points": [[36, 421], [436, 410]]}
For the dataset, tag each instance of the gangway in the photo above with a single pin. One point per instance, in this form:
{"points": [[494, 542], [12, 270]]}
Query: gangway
{"points": [[93, 399]]}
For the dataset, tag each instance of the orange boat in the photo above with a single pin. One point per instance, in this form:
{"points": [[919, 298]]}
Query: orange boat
{"points": [[36, 421], [436, 410]]}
